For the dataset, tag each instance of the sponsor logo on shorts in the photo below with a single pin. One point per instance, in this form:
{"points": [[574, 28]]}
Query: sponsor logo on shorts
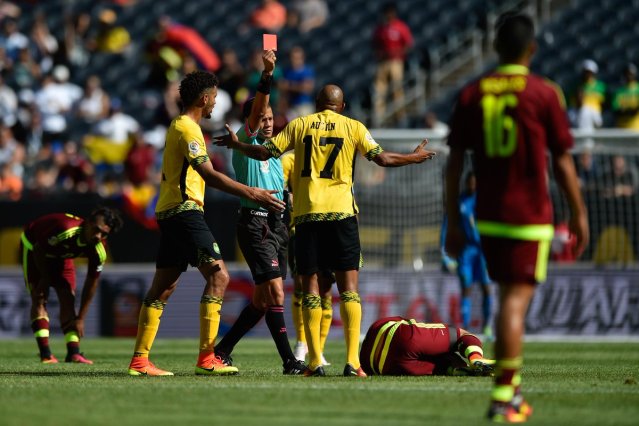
{"points": [[275, 263], [216, 248]]}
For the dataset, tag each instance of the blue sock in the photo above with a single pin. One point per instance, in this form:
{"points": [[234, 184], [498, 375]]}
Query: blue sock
{"points": [[487, 308], [465, 311]]}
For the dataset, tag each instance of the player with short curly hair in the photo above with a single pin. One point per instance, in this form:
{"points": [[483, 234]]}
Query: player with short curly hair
{"points": [[262, 235], [195, 84], [185, 236]]}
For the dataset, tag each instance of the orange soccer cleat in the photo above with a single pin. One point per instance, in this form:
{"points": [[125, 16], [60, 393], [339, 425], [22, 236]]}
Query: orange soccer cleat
{"points": [[141, 366], [77, 359], [49, 359], [214, 366]]}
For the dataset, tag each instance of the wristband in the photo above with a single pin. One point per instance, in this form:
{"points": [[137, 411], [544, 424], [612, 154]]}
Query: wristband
{"points": [[264, 86]]}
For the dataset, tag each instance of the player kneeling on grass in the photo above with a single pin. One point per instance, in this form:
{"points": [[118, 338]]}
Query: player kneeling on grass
{"points": [[397, 346], [48, 246]]}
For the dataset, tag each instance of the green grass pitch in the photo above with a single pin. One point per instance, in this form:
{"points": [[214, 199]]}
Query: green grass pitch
{"points": [[567, 384]]}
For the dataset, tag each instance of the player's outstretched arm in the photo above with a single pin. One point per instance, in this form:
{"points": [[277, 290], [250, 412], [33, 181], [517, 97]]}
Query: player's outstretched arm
{"points": [[230, 140], [218, 180], [566, 176], [394, 159]]}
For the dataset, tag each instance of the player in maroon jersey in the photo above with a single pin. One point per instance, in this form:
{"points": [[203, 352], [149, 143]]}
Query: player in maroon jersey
{"points": [[510, 119], [48, 246], [397, 346]]}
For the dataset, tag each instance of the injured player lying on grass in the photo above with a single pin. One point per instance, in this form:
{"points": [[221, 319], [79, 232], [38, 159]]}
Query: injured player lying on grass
{"points": [[397, 346]]}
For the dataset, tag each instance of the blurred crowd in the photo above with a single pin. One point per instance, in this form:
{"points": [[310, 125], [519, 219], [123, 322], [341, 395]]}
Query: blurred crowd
{"points": [[59, 135]]}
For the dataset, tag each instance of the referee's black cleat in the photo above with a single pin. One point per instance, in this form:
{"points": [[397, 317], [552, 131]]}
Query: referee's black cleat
{"points": [[318, 372], [350, 371], [294, 367], [226, 359]]}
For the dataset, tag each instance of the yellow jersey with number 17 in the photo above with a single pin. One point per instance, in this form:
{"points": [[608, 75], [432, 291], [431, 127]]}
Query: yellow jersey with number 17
{"points": [[182, 187], [325, 145]]}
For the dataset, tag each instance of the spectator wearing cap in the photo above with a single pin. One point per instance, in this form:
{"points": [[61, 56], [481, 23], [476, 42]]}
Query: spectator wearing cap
{"points": [[625, 103], [588, 99]]}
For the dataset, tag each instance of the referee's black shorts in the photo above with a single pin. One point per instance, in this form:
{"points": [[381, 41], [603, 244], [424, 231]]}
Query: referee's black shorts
{"points": [[263, 239], [186, 239], [325, 245]]}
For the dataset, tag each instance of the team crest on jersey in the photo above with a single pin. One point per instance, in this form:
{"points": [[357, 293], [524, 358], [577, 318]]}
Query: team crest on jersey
{"points": [[264, 166], [194, 147], [53, 240]]}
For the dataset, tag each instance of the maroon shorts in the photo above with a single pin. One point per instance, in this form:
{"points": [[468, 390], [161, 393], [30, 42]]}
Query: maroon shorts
{"points": [[61, 272], [515, 261]]}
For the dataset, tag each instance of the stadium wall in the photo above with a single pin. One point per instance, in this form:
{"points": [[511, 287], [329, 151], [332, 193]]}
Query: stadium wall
{"points": [[584, 301]]}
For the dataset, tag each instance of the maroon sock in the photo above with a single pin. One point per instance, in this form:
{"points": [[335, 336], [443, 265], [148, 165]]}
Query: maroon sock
{"points": [[38, 326], [468, 341]]}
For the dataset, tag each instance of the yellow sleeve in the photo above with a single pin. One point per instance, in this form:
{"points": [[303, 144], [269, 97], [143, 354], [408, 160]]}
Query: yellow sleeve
{"points": [[193, 146], [288, 160], [366, 145], [284, 141]]}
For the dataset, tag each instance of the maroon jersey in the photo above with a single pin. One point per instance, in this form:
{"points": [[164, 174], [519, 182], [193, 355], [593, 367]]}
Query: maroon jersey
{"points": [[511, 119], [59, 236], [400, 346]]}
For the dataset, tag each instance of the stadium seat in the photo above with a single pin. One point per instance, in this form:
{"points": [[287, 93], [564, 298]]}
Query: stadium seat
{"points": [[416, 241], [10, 237], [613, 246]]}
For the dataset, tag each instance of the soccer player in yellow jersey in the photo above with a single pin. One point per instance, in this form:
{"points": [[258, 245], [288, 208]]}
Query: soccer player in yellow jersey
{"points": [[324, 211], [186, 238], [326, 280]]}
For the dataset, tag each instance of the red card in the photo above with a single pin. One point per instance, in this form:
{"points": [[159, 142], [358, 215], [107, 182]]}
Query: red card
{"points": [[270, 41]]}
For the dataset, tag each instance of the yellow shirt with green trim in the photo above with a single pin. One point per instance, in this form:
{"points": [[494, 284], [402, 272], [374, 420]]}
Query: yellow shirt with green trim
{"points": [[325, 146], [182, 187]]}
